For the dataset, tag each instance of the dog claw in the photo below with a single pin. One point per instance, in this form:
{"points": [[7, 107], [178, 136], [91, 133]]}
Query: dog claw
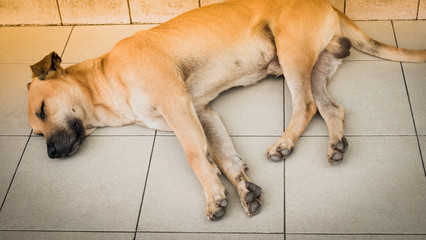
{"points": [[286, 152], [341, 146], [254, 208], [222, 203], [254, 188], [275, 158]]}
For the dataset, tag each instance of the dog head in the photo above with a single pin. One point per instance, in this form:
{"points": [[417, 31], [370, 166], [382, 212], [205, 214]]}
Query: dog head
{"points": [[56, 107]]}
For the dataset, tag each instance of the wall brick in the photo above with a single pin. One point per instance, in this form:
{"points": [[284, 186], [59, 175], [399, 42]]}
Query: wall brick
{"points": [[339, 4], [158, 11], [422, 9], [94, 11], [13, 12], [381, 9], [208, 2]]}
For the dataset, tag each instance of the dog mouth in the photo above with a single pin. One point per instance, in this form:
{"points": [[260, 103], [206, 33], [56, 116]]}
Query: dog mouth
{"points": [[65, 142]]}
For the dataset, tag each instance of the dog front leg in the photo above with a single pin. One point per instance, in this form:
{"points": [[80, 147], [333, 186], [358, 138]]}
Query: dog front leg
{"points": [[181, 116], [229, 161]]}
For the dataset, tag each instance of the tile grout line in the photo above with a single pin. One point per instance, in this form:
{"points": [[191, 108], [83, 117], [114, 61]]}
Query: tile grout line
{"points": [[344, 7], [225, 233], [68, 40], [418, 10], [409, 103], [130, 12], [284, 210], [145, 185], [60, 14], [16, 170]]}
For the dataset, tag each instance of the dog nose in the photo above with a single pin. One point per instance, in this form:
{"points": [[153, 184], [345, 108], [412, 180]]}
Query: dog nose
{"points": [[52, 151]]}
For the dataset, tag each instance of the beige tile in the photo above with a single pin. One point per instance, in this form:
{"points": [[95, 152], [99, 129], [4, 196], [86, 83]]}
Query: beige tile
{"points": [[381, 9], [378, 188], [13, 95], [29, 12], [97, 189], [254, 110], [422, 9], [159, 11], [374, 97], [93, 41], [94, 11], [415, 76], [131, 130], [355, 237], [379, 30], [410, 34], [31, 44], [207, 236], [174, 199], [65, 236], [11, 149], [422, 140]]}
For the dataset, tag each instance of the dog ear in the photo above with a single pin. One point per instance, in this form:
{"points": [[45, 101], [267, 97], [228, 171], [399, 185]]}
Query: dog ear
{"points": [[49, 63]]}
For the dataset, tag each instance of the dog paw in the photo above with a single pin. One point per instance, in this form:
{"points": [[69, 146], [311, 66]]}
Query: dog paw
{"points": [[338, 148], [278, 152], [251, 201], [216, 208]]}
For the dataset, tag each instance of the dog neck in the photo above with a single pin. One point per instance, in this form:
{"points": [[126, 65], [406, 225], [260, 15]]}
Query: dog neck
{"points": [[103, 96]]}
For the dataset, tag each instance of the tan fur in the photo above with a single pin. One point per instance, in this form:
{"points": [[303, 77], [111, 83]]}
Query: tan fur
{"points": [[164, 78]]}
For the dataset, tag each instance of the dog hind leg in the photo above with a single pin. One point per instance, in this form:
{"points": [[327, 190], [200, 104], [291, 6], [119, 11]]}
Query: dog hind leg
{"points": [[297, 62], [332, 113], [229, 161]]}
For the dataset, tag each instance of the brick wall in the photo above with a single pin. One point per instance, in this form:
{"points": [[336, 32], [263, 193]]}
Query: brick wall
{"points": [[68, 12]]}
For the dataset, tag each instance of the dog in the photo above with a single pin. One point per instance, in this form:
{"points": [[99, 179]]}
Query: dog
{"points": [[165, 77]]}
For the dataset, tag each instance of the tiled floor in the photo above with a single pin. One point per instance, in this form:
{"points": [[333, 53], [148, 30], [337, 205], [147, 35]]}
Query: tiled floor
{"points": [[132, 182]]}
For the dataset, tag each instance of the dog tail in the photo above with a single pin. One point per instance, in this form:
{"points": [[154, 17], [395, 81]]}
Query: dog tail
{"points": [[362, 42]]}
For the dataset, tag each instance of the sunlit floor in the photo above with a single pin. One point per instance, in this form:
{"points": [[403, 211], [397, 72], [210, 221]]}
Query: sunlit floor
{"points": [[132, 182]]}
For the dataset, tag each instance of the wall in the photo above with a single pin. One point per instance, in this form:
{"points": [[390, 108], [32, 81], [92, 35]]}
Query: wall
{"points": [[69, 12]]}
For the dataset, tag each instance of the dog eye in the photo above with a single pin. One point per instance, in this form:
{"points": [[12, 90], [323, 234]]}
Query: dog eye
{"points": [[41, 115]]}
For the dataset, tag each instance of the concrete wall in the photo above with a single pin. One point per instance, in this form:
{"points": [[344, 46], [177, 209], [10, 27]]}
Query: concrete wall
{"points": [[69, 12]]}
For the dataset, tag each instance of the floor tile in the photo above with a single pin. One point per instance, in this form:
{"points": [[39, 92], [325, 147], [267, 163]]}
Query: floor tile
{"points": [[11, 149], [93, 41], [422, 140], [415, 76], [130, 130], [379, 30], [207, 236], [374, 97], [97, 189], [13, 93], [379, 188], [356, 237], [174, 199], [31, 44], [65, 236], [410, 34], [253, 110]]}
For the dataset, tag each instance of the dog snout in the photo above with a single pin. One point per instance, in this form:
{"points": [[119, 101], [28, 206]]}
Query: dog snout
{"points": [[52, 151]]}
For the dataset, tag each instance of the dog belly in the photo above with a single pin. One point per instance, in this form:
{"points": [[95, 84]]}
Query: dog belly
{"points": [[207, 84]]}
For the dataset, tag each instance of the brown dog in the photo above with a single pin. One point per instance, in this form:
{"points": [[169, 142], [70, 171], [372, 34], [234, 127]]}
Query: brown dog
{"points": [[164, 78]]}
